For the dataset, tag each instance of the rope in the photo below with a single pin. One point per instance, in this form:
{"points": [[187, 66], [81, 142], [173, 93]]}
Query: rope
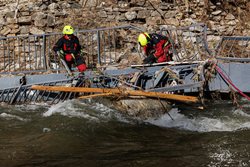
{"points": [[230, 82], [164, 108]]}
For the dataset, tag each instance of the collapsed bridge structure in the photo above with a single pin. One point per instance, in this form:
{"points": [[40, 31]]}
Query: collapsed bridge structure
{"points": [[30, 72]]}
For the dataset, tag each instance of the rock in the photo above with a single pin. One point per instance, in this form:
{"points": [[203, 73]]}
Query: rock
{"points": [[154, 20], [156, 13], [216, 12], [88, 3], [10, 20], [10, 14], [229, 16], [143, 108], [137, 9], [246, 32], [40, 23], [130, 15], [103, 14], [212, 7], [212, 38], [230, 30], [24, 20], [53, 6], [24, 30], [187, 22], [5, 31], [11, 35], [50, 20], [138, 2], [38, 16], [142, 14], [120, 17], [111, 17], [2, 20], [231, 23], [25, 13], [34, 30], [124, 62], [123, 4], [217, 18], [172, 21], [14, 31]]}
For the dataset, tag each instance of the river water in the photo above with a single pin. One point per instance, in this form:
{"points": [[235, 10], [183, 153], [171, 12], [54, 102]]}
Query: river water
{"points": [[88, 133]]}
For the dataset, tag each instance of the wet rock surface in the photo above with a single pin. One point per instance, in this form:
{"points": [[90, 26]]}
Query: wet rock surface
{"points": [[143, 108]]}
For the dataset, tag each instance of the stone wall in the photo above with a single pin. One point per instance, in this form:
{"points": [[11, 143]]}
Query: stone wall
{"points": [[223, 18], [25, 17], [22, 17]]}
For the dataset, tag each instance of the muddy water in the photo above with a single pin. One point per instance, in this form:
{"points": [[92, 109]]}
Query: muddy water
{"points": [[89, 133]]}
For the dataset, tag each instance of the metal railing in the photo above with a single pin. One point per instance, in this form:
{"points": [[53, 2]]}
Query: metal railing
{"points": [[33, 53], [104, 46], [23, 53], [233, 48], [188, 43], [24, 93]]}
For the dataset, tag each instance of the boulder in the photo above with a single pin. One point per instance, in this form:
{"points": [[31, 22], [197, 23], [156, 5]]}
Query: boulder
{"points": [[143, 108]]}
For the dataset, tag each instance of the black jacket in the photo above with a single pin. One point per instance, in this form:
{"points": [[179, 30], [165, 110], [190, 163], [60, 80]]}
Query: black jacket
{"points": [[68, 45]]}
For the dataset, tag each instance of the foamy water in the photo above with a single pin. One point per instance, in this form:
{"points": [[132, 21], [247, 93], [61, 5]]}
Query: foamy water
{"points": [[236, 120], [68, 109], [12, 117], [203, 124], [97, 112], [90, 111], [91, 133]]}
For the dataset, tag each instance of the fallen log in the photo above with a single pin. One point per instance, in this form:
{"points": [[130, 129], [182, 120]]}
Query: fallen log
{"points": [[118, 91]]}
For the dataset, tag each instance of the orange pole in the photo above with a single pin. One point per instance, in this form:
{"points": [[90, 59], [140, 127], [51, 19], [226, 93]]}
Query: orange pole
{"points": [[123, 92]]}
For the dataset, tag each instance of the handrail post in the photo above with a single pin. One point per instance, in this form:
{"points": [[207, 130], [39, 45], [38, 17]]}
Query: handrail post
{"points": [[44, 52], [98, 47], [205, 41]]}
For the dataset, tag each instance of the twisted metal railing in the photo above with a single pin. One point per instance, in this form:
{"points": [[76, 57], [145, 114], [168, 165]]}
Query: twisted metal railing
{"points": [[103, 46], [33, 53], [233, 48], [24, 94], [188, 43]]}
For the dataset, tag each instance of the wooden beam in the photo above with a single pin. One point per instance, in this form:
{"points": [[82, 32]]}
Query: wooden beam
{"points": [[95, 95], [117, 91]]}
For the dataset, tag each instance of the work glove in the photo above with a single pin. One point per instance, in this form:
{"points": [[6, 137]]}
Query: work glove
{"points": [[72, 54], [60, 53], [82, 52], [150, 59]]}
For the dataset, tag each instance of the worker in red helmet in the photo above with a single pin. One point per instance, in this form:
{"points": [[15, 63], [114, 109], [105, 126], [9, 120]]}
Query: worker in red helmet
{"points": [[156, 48], [69, 48]]}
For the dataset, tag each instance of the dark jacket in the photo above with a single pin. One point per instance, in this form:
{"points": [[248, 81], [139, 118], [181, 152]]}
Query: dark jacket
{"points": [[159, 47], [68, 45]]}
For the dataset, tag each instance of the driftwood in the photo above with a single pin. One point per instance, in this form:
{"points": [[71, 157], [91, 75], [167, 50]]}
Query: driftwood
{"points": [[117, 91]]}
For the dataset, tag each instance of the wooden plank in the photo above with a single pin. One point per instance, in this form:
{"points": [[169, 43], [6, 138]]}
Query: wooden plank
{"points": [[121, 92], [95, 95]]}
